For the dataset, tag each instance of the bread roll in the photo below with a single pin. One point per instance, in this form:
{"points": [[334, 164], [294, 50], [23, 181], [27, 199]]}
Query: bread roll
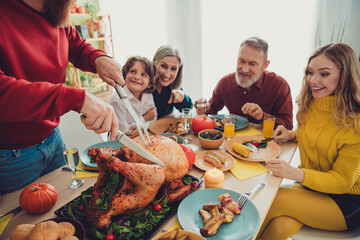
{"points": [[21, 232], [66, 229], [69, 238], [48, 230]]}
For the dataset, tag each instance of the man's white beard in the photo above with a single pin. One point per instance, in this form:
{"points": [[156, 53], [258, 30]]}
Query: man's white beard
{"points": [[245, 83]]}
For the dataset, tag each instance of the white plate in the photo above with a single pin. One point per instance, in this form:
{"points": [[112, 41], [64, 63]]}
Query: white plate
{"points": [[86, 159]]}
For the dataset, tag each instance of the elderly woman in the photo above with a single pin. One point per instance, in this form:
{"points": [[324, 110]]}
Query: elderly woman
{"points": [[168, 92]]}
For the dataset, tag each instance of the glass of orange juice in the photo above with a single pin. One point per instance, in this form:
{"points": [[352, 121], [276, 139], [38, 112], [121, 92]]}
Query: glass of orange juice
{"points": [[268, 126], [229, 126]]}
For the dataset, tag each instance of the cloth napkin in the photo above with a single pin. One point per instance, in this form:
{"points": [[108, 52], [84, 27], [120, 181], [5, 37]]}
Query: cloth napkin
{"points": [[81, 174], [176, 226], [248, 131], [245, 169], [4, 222]]}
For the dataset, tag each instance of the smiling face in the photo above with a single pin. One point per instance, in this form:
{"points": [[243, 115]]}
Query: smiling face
{"points": [[322, 76], [250, 65], [137, 79], [167, 68]]}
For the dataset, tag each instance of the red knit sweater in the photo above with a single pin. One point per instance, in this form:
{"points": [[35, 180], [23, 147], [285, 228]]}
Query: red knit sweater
{"points": [[33, 59]]}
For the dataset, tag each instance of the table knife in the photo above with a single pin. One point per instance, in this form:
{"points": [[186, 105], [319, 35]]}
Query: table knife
{"points": [[81, 169], [12, 211], [121, 137], [265, 140]]}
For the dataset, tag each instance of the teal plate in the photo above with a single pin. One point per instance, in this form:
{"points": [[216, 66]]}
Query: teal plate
{"points": [[240, 122], [180, 139], [86, 159], [243, 226]]}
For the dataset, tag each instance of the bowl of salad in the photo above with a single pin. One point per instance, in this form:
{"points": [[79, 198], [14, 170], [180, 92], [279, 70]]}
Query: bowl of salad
{"points": [[211, 138]]}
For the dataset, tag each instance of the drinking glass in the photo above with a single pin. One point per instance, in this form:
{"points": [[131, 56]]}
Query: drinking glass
{"points": [[268, 126], [186, 118], [229, 126], [201, 106], [71, 155]]}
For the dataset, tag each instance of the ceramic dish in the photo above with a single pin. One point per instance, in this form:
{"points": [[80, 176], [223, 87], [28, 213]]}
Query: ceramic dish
{"points": [[243, 226], [272, 149], [205, 165], [181, 233], [240, 122], [86, 159], [70, 210], [162, 125], [180, 139]]}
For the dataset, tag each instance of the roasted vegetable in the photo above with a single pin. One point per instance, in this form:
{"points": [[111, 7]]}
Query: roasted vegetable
{"points": [[241, 149]]}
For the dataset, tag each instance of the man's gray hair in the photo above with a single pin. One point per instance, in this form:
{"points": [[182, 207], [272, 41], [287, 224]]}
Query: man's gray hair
{"points": [[257, 43]]}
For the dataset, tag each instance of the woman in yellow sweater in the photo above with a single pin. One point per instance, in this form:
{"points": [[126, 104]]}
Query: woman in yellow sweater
{"points": [[327, 192]]}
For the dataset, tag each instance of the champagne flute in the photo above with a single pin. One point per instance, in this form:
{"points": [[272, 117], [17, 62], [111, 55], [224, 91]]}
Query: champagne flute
{"points": [[186, 117], [71, 155]]}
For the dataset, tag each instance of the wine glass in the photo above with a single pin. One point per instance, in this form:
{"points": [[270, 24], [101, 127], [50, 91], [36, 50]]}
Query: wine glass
{"points": [[186, 117], [71, 155]]}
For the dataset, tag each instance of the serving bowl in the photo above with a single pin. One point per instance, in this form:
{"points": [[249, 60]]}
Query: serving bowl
{"points": [[207, 138]]}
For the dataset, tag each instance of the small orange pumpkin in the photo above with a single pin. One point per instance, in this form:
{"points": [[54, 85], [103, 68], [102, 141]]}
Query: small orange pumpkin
{"points": [[38, 198]]}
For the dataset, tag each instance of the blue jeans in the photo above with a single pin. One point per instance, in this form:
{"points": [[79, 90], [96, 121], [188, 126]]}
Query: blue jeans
{"points": [[20, 167]]}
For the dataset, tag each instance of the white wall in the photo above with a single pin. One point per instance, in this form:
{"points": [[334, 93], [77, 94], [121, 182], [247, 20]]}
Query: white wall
{"points": [[138, 26]]}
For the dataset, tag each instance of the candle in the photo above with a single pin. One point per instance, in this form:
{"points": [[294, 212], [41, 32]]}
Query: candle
{"points": [[214, 178]]}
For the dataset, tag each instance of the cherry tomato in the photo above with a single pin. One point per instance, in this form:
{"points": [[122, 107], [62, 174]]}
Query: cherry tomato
{"points": [[256, 144], [157, 207], [109, 236], [81, 207]]}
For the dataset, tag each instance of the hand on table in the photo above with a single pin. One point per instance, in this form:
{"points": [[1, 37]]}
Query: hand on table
{"points": [[99, 116], [109, 70], [253, 109], [281, 168], [283, 134], [177, 96]]}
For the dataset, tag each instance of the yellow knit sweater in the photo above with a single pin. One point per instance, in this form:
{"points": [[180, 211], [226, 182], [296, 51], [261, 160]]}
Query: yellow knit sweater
{"points": [[330, 155]]}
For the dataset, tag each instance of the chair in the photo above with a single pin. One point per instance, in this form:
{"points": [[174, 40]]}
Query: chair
{"points": [[73, 130], [309, 233]]}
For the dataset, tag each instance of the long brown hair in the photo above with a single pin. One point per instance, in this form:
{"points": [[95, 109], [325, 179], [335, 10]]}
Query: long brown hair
{"points": [[347, 92]]}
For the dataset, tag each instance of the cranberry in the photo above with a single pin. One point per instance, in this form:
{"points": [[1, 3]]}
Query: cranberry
{"points": [[109, 236], [81, 207], [157, 207]]}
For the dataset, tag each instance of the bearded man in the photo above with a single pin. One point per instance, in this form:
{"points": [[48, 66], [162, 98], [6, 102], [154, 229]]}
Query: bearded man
{"points": [[251, 91], [36, 45]]}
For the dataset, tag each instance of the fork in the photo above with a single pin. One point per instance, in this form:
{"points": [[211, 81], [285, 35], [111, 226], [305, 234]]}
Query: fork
{"points": [[245, 196], [139, 125]]}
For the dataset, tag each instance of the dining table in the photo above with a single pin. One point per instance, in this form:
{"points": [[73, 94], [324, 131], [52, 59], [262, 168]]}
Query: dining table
{"points": [[60, 180]]}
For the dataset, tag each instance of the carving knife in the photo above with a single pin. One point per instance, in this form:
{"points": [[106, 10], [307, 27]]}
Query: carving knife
{"points": [[121, 137]]}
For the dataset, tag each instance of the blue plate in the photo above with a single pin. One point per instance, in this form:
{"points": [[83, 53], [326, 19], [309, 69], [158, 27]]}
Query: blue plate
{"points": [[86, 160], [240, 122], [243, 226], [180, 139]]}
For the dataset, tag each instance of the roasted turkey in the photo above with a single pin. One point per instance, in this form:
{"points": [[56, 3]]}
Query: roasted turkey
{"points": [[142, 178]]}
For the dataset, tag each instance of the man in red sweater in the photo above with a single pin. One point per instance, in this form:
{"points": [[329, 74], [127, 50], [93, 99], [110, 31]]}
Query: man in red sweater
{"points": [[36, 45], [251, 91]]}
